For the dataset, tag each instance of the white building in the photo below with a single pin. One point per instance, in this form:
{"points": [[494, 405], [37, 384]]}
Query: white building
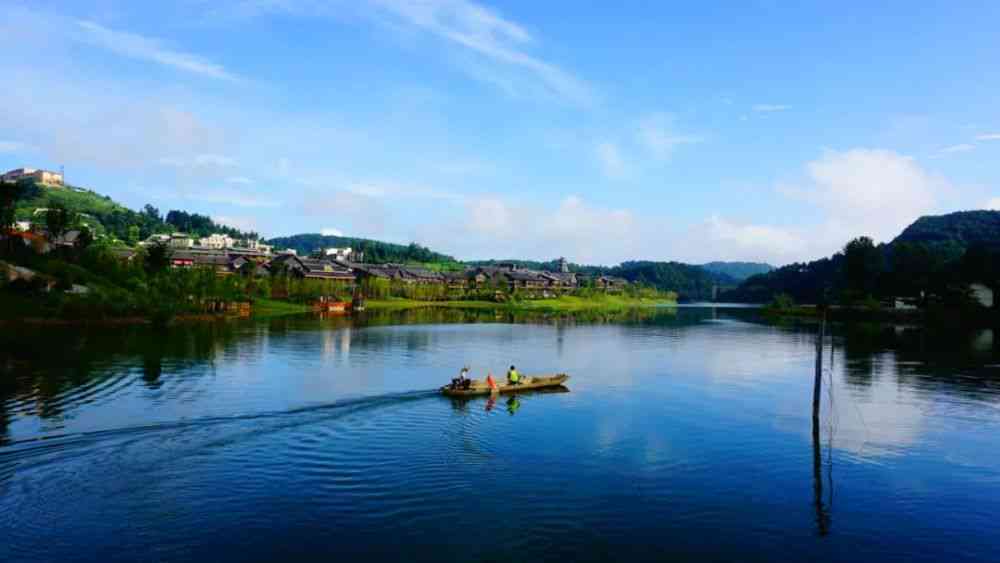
{"points": [[41, 176], [254, 244], [181, 240], [217, 241], [346, 254]]}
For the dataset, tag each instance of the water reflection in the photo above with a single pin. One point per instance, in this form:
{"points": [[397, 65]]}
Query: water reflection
{"points": [[336, 429]]}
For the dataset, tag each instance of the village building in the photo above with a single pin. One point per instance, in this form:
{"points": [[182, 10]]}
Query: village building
{"points": [[38, 175], [180, 240], [610, 284], [217, 241], [345, 254]]}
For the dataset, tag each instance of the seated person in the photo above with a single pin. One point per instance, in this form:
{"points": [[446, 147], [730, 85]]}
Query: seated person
{"points": [[513, 378]]}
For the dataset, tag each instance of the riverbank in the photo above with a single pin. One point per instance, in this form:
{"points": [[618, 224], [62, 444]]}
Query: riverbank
{"points": [[932, 316], [566, 303]]}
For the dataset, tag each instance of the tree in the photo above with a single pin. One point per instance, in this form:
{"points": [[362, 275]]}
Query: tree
{"points": [[10, 194], [152, 214], [85, 239], [157, 259], [133, 235], [57, 221], [862, 265]]}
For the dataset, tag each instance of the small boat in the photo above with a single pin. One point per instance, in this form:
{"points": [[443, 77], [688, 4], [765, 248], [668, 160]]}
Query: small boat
{"points": [[479, 386]]}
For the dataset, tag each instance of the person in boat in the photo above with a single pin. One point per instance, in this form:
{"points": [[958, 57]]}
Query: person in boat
{"points": [[513, 378], [462, 381]]}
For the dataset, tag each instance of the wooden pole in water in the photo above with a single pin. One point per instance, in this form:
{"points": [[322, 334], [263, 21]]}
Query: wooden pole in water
{"points": [[822, 517], [818, 381]]}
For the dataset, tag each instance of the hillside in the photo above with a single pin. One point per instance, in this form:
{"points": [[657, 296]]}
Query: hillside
{"points": [[738, 271], [929, 255], [375, 251], [105, 216], [961, 229]]}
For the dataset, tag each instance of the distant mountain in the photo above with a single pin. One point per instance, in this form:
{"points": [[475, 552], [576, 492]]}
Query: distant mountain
{"points": [[932, 251], [375, 251], [962, 229], [738, 271]]}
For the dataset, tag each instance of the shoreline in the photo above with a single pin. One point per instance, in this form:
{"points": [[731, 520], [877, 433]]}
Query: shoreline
{"points": [[562, 304]]}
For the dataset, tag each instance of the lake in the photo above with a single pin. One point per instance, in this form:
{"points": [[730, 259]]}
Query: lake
{"points": [[685, 434]]}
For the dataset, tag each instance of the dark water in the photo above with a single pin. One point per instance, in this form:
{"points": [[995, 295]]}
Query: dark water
{"points": [[686, 435]]}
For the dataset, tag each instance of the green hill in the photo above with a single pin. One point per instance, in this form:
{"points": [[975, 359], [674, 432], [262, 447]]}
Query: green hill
{"points": [[105, 216], [959, 230], [933, 254], [738, 271], [375, 251]]}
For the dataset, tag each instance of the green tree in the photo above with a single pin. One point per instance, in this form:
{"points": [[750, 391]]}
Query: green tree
{"points": [[862, 265], [57, 220], [157, 259], [133, 235]]}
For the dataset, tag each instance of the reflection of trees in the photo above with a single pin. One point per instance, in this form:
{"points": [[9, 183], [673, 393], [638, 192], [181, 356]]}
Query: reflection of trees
{"points": [[948, 358], [45, 369]]}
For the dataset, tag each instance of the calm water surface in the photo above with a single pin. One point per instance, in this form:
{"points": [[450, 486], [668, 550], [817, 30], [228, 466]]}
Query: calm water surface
{"points": [[686, 434]]}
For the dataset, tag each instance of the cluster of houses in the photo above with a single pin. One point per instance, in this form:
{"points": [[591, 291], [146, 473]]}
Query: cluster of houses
{"points": [[343, 265], [215, 242]]}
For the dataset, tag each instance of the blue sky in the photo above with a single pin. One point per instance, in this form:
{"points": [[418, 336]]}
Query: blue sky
{"points": [[600, 132]]}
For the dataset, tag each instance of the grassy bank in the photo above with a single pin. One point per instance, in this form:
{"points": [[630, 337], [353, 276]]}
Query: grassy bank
{"points": [[273, 308], [565, 303]]}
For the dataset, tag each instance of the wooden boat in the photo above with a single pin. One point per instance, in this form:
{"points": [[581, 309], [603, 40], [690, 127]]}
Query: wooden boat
{"points": [[479, 386]]}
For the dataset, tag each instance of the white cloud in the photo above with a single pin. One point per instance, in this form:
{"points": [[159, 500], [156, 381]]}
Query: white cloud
{"points": [[993, 203], [488, 35], [574, 228], [657, 135], [769, 108], [735, 240], [868, 192], [245, 224], [610, 160], [964, 147], [214, 160], [224, 196], [331, 232], [144, 48], [11, 146], [359, 214], [202, 161], [383, 189], [988, 137], [240, 180]]}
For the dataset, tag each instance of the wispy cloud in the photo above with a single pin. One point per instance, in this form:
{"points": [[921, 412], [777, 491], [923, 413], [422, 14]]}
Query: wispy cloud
{"points": [[241, 180], [331, 232], [610, 160], [149, 49], [483, 32], [203, 161], [657, 135], [963, 147], [988, 137], [770, 108], [11, 146]]}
